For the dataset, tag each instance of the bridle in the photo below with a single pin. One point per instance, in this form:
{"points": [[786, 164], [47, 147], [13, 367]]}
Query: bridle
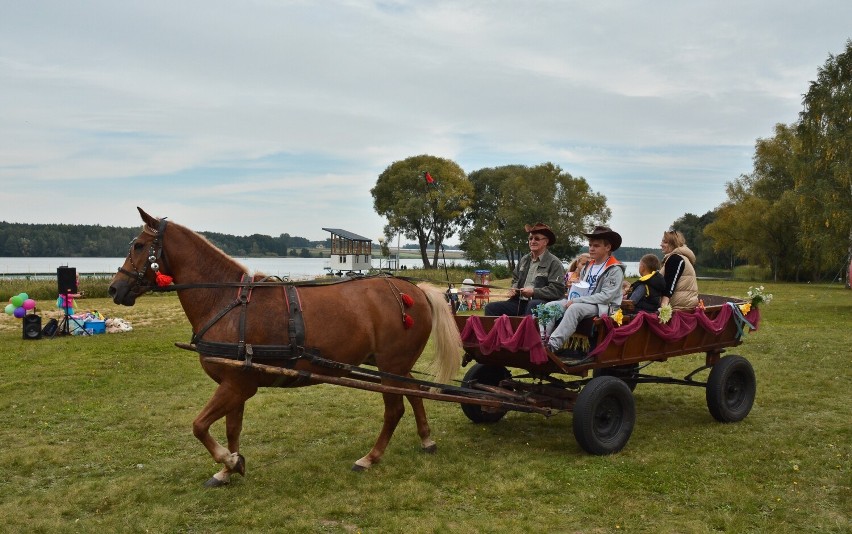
{"points": [[155, 255]]}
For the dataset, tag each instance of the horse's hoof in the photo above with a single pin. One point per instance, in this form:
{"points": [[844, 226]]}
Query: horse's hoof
{"points": [[241, 465], [431, 449], [358, 468], [214, 482]]}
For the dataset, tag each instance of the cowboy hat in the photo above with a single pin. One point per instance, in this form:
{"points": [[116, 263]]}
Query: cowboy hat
{"points": [[543, 229], [604, 232]]}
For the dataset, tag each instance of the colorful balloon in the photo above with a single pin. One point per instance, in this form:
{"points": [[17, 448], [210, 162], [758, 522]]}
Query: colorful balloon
{"points": [[10, 309], [24, 296], [20, 312], [17, 301], [29, 304]]}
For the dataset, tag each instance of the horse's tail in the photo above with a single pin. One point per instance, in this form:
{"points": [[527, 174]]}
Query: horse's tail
{"points": [[446, 338]]}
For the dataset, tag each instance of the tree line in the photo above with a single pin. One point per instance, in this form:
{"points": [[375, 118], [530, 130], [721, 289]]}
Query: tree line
{"points": [[95, 241], [793, 212]]}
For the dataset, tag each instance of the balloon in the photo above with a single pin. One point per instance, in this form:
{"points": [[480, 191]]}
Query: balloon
{"points": [[24, 296], [17, 301], [29, 304], [20, 312], [10, 309]]}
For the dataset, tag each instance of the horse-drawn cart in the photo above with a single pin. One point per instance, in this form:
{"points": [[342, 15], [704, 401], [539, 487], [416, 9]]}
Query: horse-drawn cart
{"points": [[252, 331], [514, 372], [616, 356]]}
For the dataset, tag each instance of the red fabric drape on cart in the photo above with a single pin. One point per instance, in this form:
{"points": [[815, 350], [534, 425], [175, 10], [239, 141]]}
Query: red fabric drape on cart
{"points": [[680, 325], [501, 337]]}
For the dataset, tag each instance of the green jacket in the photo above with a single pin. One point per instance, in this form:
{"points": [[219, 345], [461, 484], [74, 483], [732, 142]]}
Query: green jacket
{"points": [[549, 276]]}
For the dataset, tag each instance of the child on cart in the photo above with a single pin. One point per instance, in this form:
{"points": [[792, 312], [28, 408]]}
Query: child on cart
{"points": [[645, 293]]}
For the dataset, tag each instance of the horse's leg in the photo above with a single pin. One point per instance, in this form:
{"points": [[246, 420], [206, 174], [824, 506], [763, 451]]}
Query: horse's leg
{"points": [[426, 443], [233, 427], [228, 401], [394, 408]]}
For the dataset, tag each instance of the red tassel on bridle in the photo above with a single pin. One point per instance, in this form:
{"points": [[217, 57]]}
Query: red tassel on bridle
{"points": [[407, 321], [163, 279], [407, 300]]}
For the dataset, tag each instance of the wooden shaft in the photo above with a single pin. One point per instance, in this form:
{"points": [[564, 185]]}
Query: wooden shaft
{"points": [[381, 388]]}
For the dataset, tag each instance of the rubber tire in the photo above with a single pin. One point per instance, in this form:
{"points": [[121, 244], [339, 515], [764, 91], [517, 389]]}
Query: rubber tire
{"points": [[604, 415], [490, 375], [731, 389], [619, 371]]}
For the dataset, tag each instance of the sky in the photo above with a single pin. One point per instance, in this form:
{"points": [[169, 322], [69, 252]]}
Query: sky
{"points": [[272, 117]]}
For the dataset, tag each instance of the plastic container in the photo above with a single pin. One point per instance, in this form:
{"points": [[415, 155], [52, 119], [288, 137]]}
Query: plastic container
{"points": [[96, 327]]}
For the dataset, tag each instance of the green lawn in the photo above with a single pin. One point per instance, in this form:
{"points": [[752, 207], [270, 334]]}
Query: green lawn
{"points": [[97, 435]]}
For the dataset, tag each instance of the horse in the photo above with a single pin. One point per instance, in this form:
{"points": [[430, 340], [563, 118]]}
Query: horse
{"points": [[386, 319]]}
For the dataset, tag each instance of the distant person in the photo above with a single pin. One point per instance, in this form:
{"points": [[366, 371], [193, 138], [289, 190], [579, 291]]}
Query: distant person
{"points": [[604, 275], [538, 277], [468, 294], [647, 292], [678, 269]]}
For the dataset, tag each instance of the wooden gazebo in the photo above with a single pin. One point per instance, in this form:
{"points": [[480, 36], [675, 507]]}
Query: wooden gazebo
{"points": [[349, 252]]}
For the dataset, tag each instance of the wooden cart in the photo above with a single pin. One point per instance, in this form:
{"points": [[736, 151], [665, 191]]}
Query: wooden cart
{"points": [[603, 405]]}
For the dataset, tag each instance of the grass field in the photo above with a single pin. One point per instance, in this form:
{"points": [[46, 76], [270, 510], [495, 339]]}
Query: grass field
{"points": [[97, 438]]}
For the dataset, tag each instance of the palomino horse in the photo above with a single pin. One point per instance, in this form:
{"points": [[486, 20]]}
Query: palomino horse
{"points": [[384, 318]]}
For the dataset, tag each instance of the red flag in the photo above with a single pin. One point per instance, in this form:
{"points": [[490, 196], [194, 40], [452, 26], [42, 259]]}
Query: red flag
{"points": [[429, 179]]}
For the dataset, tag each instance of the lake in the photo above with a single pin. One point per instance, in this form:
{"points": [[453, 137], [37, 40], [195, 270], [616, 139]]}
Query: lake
{"points": [[292, 268]]}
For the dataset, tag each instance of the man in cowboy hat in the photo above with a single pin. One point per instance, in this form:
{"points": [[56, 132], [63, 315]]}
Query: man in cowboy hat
{"points": [[539, 276], [604, 274]]}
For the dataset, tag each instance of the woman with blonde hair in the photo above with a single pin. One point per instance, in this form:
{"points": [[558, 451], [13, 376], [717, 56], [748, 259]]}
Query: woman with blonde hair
{"points": [[681, 291]]}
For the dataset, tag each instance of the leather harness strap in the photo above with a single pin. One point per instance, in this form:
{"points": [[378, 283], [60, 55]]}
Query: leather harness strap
{"points": [[296, 323]]}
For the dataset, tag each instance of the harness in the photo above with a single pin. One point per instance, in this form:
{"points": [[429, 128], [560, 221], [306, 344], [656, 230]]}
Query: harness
{"points": [[287, 354]]}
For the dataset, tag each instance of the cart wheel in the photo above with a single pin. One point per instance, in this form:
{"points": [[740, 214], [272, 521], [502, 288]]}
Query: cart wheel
{"points": [[620, 371], [490, 375], [731, 388], [604, 415]]}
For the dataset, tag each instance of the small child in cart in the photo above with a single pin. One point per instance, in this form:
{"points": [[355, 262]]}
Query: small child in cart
{"points": [[646, 292]]}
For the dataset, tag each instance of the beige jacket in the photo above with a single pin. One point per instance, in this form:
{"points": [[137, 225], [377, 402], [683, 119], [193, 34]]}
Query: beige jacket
{"points": [[685, 294]]}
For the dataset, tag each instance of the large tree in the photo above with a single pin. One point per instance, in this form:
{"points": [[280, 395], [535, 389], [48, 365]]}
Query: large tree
{"points": [[758, 222], [424, 198], [824, 181], [508, 197]]}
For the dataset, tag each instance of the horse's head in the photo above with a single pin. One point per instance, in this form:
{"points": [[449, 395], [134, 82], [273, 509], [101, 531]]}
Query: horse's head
{"points": [[144, 261]]}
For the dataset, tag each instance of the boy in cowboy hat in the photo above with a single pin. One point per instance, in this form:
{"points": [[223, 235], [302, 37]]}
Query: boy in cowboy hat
{"points": [[539, 276], [604, 274]]}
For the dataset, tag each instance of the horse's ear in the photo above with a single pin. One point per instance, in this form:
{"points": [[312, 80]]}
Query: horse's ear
{"points": [[150, 221]]}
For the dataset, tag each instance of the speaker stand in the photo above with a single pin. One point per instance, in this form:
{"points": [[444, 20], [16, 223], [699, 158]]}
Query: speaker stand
{"points": [[65, 326]]}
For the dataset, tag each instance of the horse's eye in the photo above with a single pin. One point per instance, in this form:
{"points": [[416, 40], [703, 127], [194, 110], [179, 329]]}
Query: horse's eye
{"points": [[138, 246]]}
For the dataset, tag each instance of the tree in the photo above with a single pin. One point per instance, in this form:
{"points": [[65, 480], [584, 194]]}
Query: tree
{"points": [[419, 209], [758, 222], [824, 181], [508, 197]]}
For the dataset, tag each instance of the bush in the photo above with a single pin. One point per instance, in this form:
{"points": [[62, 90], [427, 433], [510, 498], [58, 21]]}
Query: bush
{"points": [[46, 289]]}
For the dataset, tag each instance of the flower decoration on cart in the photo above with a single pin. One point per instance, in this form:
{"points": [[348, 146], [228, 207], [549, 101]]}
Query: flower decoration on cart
{"points": [[617, 317], [756, 297], [665, 314], [546, 315]]}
